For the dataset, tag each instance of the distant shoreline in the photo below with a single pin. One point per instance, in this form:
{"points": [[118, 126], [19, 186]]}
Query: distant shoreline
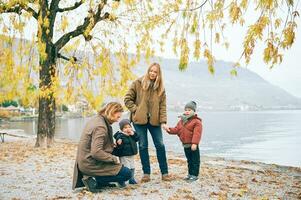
{"points": [[76, 115]]}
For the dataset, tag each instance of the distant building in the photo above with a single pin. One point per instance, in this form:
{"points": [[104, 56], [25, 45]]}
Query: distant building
{"points": [[79, 106]]}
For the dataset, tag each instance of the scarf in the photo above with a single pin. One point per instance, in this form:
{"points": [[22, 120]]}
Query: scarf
{"points": [[185, 118]]}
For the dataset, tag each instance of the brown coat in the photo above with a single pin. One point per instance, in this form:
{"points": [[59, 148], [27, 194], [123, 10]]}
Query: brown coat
{"points": [[141, 102], [190, 132], [94, 156]]}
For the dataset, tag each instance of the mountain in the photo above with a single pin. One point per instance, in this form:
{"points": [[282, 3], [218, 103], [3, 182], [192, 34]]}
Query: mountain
{"points": [[221, 91]]}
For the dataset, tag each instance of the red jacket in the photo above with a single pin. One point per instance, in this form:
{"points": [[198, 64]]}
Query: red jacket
{"points": [[190, 132]]}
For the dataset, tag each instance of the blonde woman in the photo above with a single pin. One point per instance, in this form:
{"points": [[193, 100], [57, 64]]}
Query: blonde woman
{"points": [[146, 100], [95, 166]]}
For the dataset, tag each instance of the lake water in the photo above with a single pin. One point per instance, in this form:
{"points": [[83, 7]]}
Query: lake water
{"points": [[266, 136]]}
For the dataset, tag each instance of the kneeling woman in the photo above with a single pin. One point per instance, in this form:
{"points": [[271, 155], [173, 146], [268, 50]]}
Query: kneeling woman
{"points": [[95, 165]]}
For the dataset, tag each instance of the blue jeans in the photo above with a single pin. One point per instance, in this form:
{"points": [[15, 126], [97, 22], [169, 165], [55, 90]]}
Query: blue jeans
{"points": [[123, 175], [156, 134]]}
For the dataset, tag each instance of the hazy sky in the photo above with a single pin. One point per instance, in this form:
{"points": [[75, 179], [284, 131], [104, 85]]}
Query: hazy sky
{"points": [[287, 75]]}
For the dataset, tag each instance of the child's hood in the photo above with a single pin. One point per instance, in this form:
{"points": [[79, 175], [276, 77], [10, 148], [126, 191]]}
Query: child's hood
{"points": [[120, 133], [196, 117]]}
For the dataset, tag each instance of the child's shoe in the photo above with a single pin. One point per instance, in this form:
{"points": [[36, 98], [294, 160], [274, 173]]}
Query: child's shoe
{"points": [[192, 178], [132, 180], [187, 177]]}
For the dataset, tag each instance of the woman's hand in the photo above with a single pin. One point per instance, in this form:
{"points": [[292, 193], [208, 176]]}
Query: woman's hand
{"points": [[116, 160], [194, 147], [165, 127]]}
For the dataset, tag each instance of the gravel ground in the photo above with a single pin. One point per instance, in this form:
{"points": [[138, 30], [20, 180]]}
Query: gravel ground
{"points": [[40, 173]]}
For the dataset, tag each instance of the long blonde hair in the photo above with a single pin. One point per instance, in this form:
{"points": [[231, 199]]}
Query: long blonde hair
{"points": [[158, 85], [110, 109]]}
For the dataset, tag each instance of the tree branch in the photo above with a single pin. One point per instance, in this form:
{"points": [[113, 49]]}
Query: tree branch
{"points": [[89, 22], [76, 5], [66, 58], [54, 5], [198, 7], [53, 11], [17, 8], [32, 11]]}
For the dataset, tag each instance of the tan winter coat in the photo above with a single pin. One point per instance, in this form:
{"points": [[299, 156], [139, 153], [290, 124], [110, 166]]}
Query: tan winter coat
{"points": [[141, 102], [94, 156]]}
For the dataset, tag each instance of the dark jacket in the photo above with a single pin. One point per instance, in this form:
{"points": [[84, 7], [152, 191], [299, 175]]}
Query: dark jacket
{"points": [[94, 154], [128, 146], [190, 132]]}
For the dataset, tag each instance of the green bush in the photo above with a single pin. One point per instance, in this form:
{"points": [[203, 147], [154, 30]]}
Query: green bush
{"points": [[64, 108], [9, 103]]}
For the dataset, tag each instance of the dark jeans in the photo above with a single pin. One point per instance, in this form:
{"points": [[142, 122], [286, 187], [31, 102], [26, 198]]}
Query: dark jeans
{"points": [[123, 175], [193, 160], [156, 134]]}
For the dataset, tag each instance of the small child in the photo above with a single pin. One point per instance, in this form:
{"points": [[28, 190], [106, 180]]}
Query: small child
{"points": [[189, 130], [126, 148]]}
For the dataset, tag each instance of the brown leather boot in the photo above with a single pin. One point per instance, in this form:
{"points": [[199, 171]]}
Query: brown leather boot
{"points": [[145, 178], [166, 177]]}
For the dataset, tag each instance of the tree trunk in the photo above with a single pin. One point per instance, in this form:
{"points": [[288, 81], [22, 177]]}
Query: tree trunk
{"points": [[47, 107], [47, 71], [46, 122]]}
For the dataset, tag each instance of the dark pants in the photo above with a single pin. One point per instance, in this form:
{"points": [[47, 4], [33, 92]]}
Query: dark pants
{"points": [[193, 160], [156, 134], [123, 175]]}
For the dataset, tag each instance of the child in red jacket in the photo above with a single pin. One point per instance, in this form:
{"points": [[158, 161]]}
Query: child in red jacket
{"points": [[189, 130]]}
